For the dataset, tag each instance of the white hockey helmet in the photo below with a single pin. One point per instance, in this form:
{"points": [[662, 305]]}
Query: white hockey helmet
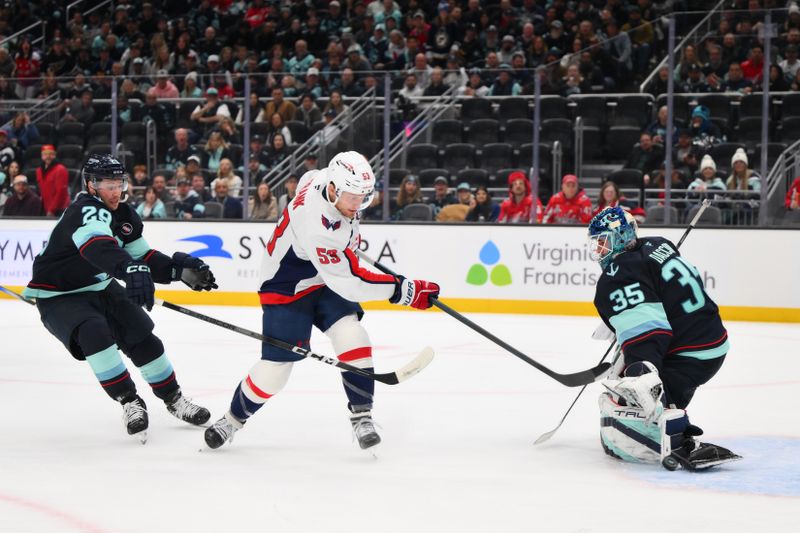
{"points": [[351, 172]]}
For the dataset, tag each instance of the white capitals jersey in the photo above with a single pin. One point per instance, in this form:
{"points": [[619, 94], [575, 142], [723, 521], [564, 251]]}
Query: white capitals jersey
{"points": [[314, 245]]}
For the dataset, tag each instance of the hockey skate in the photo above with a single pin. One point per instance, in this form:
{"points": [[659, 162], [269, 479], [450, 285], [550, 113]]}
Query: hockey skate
{"points": [[222, 431], [182, 408], [694, 456], [134, 414], [364, 429]]}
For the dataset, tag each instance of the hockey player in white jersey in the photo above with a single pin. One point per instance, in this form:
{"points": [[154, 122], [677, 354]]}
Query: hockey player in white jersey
{"points": [[311, 276]]}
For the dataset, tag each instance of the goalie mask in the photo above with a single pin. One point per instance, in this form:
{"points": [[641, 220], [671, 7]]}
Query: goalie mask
{"points": [[611, 232], [101, 167], [350, 172]]}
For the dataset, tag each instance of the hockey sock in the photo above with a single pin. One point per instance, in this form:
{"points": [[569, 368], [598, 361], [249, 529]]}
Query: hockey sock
{"points": [[360, 390], [110, 371], [265, 380], [160, 376]]}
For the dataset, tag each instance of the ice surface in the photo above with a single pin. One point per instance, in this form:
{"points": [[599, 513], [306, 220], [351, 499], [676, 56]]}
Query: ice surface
{"points": [[457, 451]]}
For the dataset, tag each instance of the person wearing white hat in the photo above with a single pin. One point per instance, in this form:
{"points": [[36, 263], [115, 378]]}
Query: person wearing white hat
{"points": [[705, 180], [23, 202], [742, 178]]}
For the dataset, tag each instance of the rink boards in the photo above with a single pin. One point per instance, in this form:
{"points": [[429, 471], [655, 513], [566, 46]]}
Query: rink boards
{"points": [[750, 273]]}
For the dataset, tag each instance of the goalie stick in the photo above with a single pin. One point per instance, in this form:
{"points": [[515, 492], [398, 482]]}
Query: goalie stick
{"points": [[618, 353], [576, 379], [391, 378]]}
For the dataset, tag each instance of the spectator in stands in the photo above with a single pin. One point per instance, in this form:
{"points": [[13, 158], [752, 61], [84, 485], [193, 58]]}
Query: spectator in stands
{"points": [[422, 70], [28, 68], [7, 65], [308, 113], [225, 173], [188, 204], [441, 194], [736, 82], [278, 150], [483, 208], [411, 91], [611, 196], [257, 148], [199, 187], [475, 85], [694, 82], [437, 87], [790, 64], [231, 207], [207, 115], [642, 37], [574, 82], [753, 67], [179, 153], [617, 47], [355, 60], [263, 205], [793, 195], [23, 202], [216, 150], [190, 88], [777, 80], [277, 126], [22, 132], [705, 181], [686, 155], [658, 128], [742, 178], [505, 85], [140, 180], [152, 207], [164, 88], [409, 193], [81, 109], [658, 85], [152, 110], [689, 59], [290, 185], [160, 188], [7, 91], [336, 102], [7, 152], [313, 85], [517, 208], [227, 128], [279, 105], [310, 162], [704, 132], [646, 156], [53, 180], [255, 168], [569, 206], [348, 85]]}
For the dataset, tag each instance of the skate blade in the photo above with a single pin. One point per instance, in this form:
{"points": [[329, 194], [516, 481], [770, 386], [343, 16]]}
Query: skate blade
{"points": [[711, 464], [141, 437]]}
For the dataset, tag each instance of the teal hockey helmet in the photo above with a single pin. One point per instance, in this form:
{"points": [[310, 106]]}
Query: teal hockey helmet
{"points": [[611, 232]]}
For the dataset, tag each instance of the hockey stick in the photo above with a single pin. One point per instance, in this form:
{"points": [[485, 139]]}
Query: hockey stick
{"points": [[392, 378], [546, 436], [577, 379], [15, 295]]}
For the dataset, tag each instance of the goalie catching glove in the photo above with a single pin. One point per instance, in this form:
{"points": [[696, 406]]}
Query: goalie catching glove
{"points": [[417, 293], [193, 272]]}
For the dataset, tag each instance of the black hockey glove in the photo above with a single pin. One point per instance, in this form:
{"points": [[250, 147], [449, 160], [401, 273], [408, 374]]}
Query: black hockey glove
{"points": [[193, 272], [138, 282]]}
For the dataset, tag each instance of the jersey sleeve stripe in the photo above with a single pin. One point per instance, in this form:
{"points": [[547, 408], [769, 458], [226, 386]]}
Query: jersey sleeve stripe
{"points": [[640, 319], [362, 273], [719, 341], [645, 336], [90, 229], [93, 239], [137, 248]]}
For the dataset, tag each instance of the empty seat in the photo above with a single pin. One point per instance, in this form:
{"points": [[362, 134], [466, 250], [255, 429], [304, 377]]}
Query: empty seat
{"points": [[458, 156], [557, 129], [263, 128], [751, 106], [99, 133], [300, 133], [71, 133], [447, 131], [518, 131], [711, 216], [632, 110], [774, 150], [620, 140], [719, 105], [483, 131], [33, 157], [428, 175], [513, 108], [213, 209], [525, 158], [420, 212], [749, 130], [496, 156], [593, 110], [134, 136], [553, 107], [790, 129], [70, 155], [627, 178], [474, 108], [593, 141], [656, 215], [46, 133], [419, 156], [396, 175], [790, 105], [473, 176]]}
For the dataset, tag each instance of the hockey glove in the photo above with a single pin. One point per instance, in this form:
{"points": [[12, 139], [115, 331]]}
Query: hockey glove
{"points": [[138, 282], [417, 293], [641, 387], [193, 272]]}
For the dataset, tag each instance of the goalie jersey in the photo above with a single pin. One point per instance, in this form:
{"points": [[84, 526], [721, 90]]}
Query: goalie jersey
{"points": [[314, 245], [655, 302]]}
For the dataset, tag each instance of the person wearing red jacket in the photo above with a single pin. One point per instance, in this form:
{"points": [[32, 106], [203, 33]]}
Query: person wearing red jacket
{"points": [[793, 195], [53, 180], [517, 207], [570, 206]]}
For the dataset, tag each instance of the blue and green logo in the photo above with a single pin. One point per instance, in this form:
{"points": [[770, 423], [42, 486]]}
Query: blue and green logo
{"points": [[489, 256]]}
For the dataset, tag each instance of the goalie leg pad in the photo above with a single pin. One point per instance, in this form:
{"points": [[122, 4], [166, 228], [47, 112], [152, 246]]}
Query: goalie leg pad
{"points": [[625, 433], [352, 346], [265, 380]]}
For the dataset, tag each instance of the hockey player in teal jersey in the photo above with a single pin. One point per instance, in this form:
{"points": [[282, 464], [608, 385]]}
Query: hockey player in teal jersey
{"points": [[672, 341], [99, 238]]}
